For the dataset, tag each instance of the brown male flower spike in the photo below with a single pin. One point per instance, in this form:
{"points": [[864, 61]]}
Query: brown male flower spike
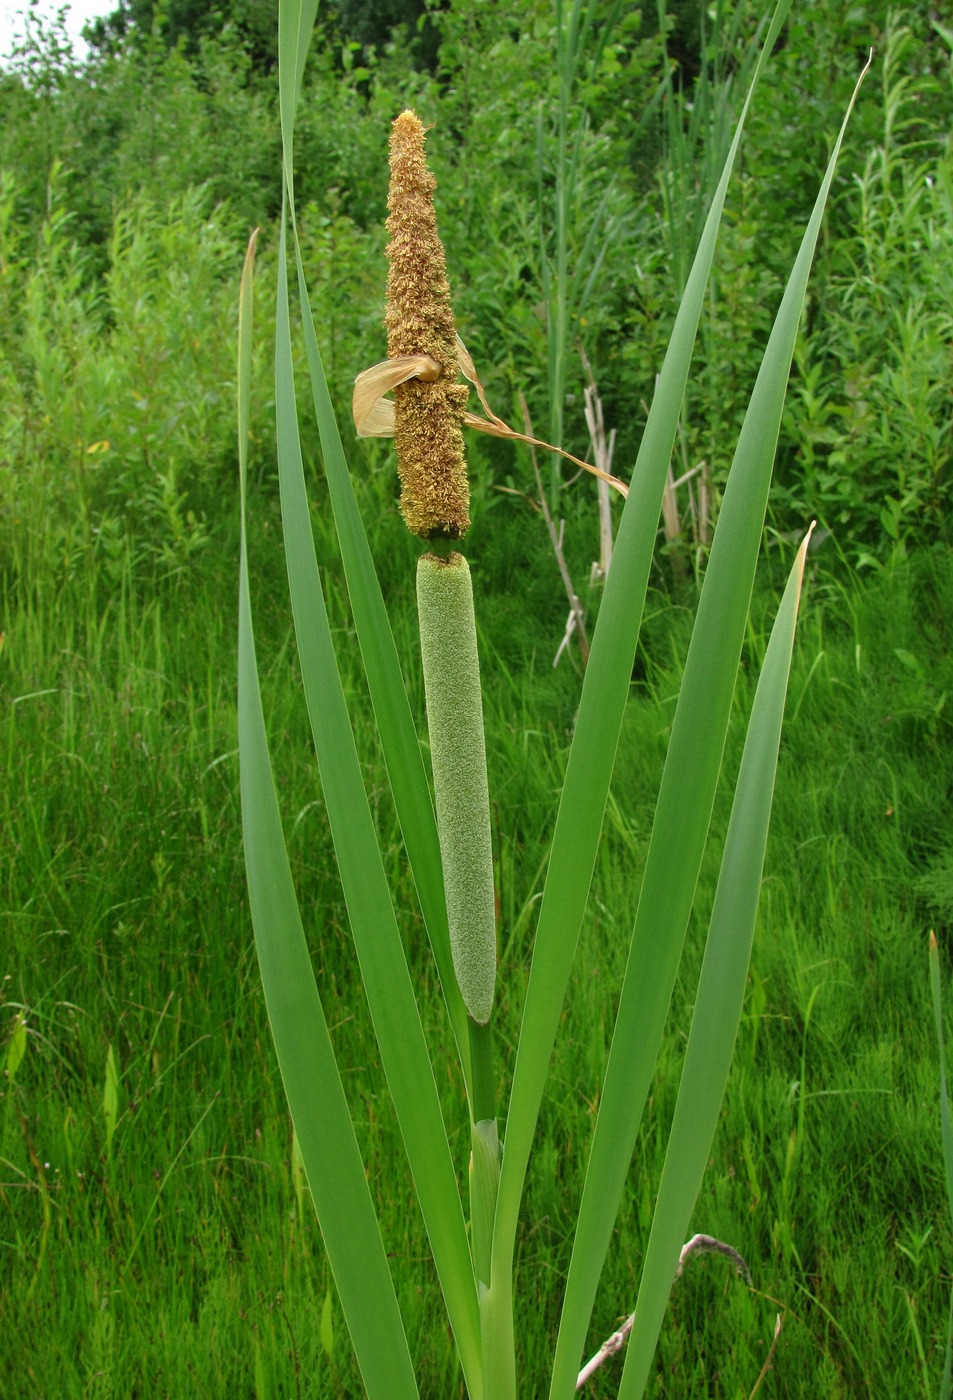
{"points": [[425, 354], [429, 407]]}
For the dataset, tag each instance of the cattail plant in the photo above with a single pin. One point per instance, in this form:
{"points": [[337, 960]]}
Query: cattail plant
{"points": [[448, 850]]}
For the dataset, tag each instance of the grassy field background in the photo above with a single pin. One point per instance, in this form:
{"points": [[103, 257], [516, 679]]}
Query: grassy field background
{"points": [[156, 1236]]}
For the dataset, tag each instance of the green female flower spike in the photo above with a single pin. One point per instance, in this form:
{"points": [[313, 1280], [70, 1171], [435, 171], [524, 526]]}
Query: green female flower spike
{"points": [[448, 648]]}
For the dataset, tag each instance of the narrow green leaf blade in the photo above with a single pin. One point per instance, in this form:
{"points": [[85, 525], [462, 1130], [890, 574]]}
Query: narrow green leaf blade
{"points": [[720, 992], [295, 24], [946, 1128], [305, 1056]]}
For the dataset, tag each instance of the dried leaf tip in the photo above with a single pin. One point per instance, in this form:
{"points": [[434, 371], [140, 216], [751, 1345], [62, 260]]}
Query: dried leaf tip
{"points": [[435, 495]]}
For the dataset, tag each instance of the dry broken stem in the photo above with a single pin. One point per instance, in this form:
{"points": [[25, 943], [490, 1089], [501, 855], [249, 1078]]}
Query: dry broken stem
{"points": [[698, 1244]]}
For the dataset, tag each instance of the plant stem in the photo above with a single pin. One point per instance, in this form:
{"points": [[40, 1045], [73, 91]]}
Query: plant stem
{"points": [[484, 1189], [496, 1304], [499, 1349], [481, 1061], [485, 1153]]}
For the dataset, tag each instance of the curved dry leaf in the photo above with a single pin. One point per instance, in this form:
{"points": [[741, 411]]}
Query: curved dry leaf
{"points": [[378, 420], [468, 371], [373, 414], [500, 429], [496, 427]]}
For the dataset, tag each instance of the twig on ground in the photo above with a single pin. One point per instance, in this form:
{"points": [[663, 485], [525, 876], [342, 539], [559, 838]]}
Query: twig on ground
{"points": [[707, 1244], [698, 1244], [767, 1360]]}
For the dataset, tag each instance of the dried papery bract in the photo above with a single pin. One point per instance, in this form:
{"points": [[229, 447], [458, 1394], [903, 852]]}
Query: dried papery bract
{"points": [[374, 412], [435, 496]]}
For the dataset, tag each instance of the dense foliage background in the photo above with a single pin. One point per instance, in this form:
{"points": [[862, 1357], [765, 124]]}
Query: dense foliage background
{"points": [[130, 185], [154, 1222]]}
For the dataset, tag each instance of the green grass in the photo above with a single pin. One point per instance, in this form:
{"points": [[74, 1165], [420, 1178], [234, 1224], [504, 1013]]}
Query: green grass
{"points": [[180, 1258]]}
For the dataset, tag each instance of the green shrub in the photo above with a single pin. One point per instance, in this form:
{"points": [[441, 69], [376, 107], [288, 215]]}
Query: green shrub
{"points": [[868, 430], [117, 392]]}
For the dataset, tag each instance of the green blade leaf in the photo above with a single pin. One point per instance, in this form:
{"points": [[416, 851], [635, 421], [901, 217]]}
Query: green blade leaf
{"points": [[305, 1056], [295, 24], [380, 952], [684, 805], [591, 759], [720, 994]]}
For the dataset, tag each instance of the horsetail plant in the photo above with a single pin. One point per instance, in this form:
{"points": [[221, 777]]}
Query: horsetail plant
{"points": [[449, 852]]}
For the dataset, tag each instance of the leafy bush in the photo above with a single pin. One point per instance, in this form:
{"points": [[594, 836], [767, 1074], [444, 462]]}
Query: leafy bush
{"points": [[868, 431], [142, 118], [117, 392], [108, 158]]}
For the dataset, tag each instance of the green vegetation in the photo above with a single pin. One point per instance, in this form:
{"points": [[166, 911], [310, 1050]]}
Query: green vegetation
{"points": [[156, 1230]]}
